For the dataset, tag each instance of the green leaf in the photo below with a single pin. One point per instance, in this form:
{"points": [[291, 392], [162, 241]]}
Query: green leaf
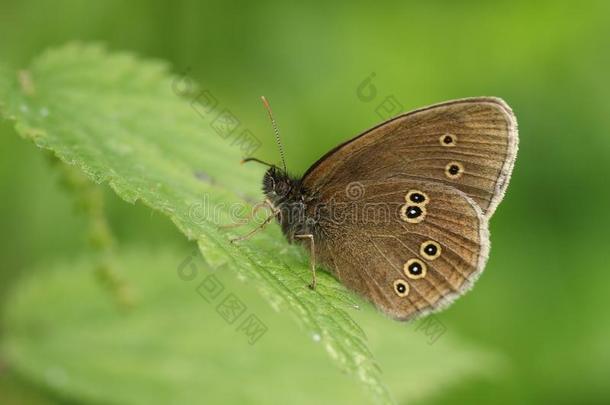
{"points": [[64, 334], [120, 121]]}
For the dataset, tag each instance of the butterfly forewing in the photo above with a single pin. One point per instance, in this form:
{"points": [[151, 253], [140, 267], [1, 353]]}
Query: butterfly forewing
{"points": [[468, 144], [406, 264]]}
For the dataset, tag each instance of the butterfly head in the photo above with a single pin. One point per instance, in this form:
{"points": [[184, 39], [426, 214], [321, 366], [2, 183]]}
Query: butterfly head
{"points": [[278, 185]]}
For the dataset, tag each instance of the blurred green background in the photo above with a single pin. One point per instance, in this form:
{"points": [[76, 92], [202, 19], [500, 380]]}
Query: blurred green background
{"points": [[543, 301]]}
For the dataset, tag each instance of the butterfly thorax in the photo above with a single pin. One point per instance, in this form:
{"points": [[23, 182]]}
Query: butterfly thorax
{"points": [[291, 202]]}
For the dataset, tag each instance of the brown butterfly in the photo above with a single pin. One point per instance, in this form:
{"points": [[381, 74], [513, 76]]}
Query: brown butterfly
{"points": [[399, 213]]}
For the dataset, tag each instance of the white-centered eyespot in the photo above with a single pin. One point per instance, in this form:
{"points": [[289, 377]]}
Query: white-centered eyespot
{"points": [[417, 197], [401, 288], [454, 170], [430, 250], [415, 268], [413, 214], [448, 140]]}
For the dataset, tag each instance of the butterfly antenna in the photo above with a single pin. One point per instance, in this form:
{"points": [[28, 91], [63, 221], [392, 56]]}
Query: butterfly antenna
{"points": [[253, 159], [276, 130]]}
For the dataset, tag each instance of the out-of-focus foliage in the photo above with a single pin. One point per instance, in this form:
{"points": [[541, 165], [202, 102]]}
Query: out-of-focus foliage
{"points": [[119, 120], [541, 304], [175, 345]]}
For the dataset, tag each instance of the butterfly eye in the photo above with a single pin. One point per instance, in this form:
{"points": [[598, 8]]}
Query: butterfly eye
{"points": [[454, 170], [401, 287], [413, 213], [281, 188], [448, 140], [430, 250], [417, 197], [415, 268]]}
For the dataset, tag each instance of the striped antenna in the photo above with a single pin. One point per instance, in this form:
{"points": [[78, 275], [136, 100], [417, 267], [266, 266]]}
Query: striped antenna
{"points": [[276, 130]]}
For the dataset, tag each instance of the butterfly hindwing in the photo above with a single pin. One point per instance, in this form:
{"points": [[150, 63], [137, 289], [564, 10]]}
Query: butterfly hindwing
{"points": [[372, 245]]}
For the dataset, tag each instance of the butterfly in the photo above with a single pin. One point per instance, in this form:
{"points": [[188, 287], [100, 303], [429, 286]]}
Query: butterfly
{"points": [[399, 214]]}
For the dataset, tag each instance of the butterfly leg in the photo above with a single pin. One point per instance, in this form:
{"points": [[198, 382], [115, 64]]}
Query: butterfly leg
{"points": [[251, 214], [258, 228], [312, 258]]}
